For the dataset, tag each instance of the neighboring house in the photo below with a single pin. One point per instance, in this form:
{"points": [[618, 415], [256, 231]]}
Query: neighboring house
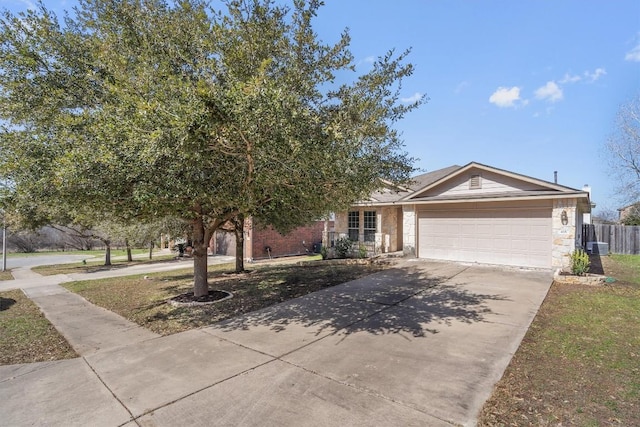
{"points": [[260, 243], [627, 211], [597, 220], [472, 213]]}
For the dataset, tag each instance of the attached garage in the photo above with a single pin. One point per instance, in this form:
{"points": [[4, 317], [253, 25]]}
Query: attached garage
{"points": [[508, 234]]}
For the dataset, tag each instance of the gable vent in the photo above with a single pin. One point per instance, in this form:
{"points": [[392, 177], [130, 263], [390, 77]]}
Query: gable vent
{"points": [[475, 182]]}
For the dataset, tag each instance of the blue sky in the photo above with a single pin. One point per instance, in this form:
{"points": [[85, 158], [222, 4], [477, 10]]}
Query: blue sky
{"points": [[528, 86]]}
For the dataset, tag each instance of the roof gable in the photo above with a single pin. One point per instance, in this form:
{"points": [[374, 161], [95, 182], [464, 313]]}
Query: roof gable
{"points": [[475, 180]]}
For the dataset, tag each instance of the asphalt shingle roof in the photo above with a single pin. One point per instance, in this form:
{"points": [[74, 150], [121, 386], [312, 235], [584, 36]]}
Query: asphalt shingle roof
{"points": [[418, 182]]}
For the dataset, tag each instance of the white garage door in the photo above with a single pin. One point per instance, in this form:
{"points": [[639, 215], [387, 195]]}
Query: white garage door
{"points": [[520, 237]]}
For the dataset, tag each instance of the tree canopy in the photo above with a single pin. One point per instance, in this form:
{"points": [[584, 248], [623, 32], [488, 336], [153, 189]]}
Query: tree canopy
{"points": [[137, 109]]}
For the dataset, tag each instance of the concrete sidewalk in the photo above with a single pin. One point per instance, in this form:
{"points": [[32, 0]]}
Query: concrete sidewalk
{"points": [[25, 278], [420, 344], [86, 327]]}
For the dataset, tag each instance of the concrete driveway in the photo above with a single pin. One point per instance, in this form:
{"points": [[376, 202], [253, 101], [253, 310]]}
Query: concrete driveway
{"points": [[420, 344]]}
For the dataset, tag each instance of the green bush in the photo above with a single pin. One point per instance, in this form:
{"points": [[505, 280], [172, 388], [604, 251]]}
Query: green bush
{"points": [[343, 247], [324, 252], [580, 262], [362, 251]]}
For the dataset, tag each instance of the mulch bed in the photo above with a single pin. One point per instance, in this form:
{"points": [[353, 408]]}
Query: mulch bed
{"points": [[188, 298]]}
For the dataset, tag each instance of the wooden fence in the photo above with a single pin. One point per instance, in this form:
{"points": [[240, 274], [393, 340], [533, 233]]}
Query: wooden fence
{"points": [[622, 239]]}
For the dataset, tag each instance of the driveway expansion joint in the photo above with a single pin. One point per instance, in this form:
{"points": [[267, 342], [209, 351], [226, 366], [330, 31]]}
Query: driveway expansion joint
{"points": [[367, 391], [84, 359], [193, 393]]}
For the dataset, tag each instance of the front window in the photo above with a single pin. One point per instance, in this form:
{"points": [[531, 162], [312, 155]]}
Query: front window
{"points": [[369, 226], [354, 225]]}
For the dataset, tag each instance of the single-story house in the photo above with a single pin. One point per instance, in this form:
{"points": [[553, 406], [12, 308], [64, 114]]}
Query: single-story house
{"points": [[471, 213], [632, 209], [261, 242]]}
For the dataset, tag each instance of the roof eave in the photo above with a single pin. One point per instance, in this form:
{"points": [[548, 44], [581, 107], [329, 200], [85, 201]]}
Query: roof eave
{"points": [[577, 194]]}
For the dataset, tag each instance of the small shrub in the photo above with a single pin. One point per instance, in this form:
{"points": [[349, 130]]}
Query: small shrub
{"points": [[362, 251], [343, 247], [324, 252], [580, 262]]}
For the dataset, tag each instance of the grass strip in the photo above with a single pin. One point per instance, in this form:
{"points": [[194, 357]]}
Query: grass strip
{"points": [[26, 335]]}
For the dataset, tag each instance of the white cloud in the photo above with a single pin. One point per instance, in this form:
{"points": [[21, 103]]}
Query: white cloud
{"points": [[550, 92], [413, 98], [568, 78], [505, 97], [461, 86], [595, 75], [633, 55], [367, 60]]}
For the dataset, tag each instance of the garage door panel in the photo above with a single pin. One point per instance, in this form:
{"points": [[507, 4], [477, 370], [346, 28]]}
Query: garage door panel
{"points": [[499, 236], [521, 245]]}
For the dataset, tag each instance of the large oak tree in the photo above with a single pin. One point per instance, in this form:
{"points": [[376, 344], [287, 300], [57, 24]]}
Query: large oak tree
{"points": [[147, 108]]}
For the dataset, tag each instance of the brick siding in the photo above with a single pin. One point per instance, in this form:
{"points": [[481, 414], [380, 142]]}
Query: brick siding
{"points": [[297, 242]]}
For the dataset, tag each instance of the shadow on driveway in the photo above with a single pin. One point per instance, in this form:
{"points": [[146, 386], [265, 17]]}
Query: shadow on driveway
{"points": [[344, 306]]}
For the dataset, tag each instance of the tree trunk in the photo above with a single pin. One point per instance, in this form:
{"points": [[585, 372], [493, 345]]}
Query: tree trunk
{"points": [[238, 230], [107, 255], [200, 283], [129, 257], [151, 250]]}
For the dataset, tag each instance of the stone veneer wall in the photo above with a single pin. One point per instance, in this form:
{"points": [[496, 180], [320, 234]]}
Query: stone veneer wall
{"points": [[340, 225], [564, 236], [409, 230], [389, 223]]}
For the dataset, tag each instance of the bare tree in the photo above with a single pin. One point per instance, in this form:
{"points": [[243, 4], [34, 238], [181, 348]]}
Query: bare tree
{"points": [[24, 241], [623, 149], [606, 216]]}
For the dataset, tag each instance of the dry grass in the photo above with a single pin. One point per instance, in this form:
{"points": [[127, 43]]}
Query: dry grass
{"points": [[26, 335], [6, 275], [144, 301], [579, 363]]}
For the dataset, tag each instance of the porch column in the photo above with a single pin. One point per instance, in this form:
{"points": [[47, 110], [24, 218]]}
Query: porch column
{"points": [[379, 243], [409, 230]]}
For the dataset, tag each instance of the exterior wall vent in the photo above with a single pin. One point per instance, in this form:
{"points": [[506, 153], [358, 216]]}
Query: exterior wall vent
{"points": [[475, 182]]}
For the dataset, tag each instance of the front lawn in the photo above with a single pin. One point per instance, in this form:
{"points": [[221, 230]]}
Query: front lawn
{"points": [[26, 336], [579, 363], [144, 301], [623, 267]]}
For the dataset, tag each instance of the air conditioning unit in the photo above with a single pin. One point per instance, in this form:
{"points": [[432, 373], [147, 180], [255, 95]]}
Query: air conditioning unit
{"points": [[599, 248]]}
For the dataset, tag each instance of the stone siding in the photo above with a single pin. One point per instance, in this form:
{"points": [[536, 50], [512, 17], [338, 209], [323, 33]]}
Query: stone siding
{"points": [[389, 222], [409, 230], [563, 236], [341, 225]]}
